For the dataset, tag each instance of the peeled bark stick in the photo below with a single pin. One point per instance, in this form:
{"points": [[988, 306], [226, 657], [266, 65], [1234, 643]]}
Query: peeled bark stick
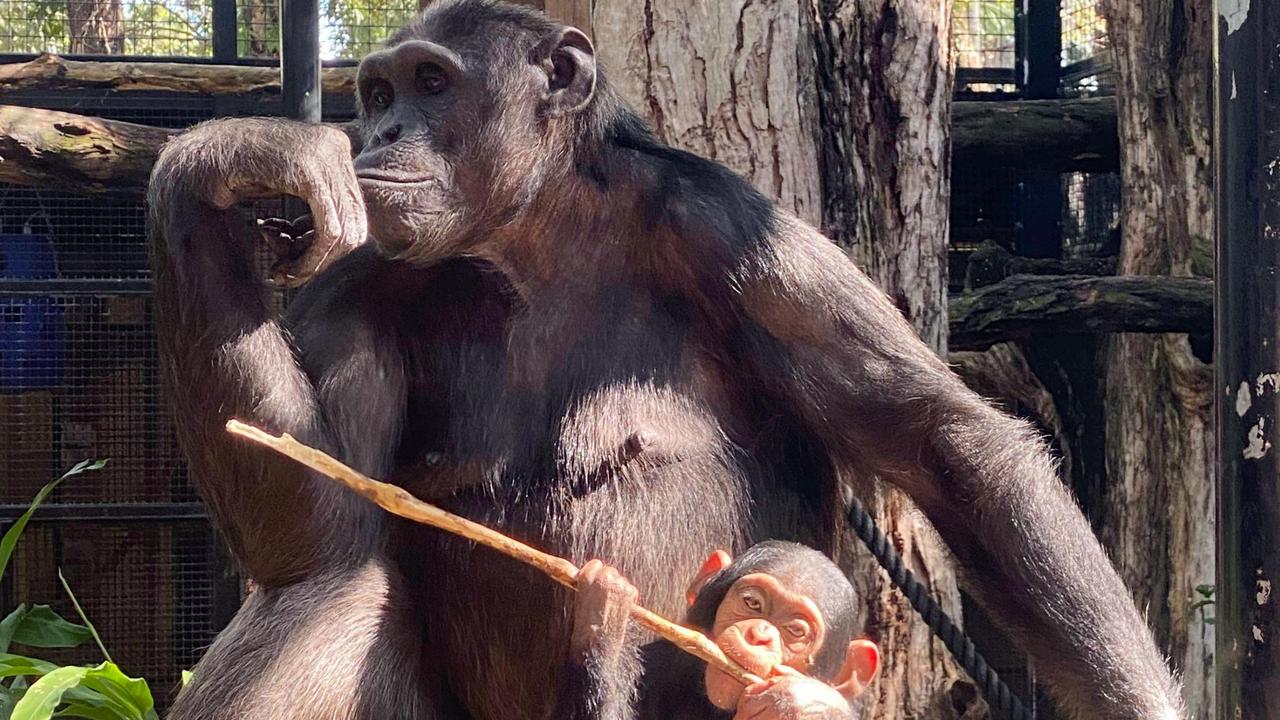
{"points": [[398, 501]]}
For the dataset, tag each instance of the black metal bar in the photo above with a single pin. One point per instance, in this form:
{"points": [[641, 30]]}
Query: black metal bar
{"points": [[73, 286], [106, 512], [1038, 232], [300, 59], [225, 48], [1246, 360]]}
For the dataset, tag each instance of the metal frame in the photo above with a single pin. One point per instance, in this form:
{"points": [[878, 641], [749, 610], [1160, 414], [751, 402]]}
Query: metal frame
{"points": [[1245, 358]]}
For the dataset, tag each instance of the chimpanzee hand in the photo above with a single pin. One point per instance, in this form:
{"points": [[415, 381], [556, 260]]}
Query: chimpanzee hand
{"points": [[600, 611], [224, 162], [792, 696], [289, 241]]}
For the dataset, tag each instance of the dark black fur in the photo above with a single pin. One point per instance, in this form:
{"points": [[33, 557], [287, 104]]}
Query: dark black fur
{"points": [[572, 333]]}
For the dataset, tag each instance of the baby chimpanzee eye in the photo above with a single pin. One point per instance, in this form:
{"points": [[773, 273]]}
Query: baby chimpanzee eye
{"points": [[752, 602], [431, 78]]}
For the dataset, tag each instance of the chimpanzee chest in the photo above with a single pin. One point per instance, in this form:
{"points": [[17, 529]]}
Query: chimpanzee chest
{"points": [[589, 427]]}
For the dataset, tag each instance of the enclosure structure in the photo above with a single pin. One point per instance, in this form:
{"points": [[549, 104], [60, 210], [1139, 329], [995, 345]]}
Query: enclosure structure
{"points": [[1027, 74], [77, 354]]}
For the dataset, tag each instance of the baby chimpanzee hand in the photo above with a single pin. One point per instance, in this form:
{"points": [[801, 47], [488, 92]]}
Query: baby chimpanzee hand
{"points": [[792, 696], [601, 611]]}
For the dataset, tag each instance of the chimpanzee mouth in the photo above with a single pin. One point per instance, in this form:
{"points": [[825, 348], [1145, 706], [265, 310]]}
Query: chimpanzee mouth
{"points": [[379, 178]]}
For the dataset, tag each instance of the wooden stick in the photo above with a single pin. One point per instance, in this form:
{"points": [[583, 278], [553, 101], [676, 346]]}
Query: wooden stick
{"points": [[398, 501]]}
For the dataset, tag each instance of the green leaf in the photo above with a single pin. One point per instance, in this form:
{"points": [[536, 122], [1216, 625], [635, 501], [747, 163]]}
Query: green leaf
{"points": [[1205, 590], [96, 693], [8, 626], [18, 665], [43, 697], [186, 677], [82, 710], [44, 628], [8, 699], [132, 695], [10, 539]]}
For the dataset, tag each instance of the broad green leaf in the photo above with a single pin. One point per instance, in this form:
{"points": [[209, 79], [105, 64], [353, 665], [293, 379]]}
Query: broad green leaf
{"points": [[186, 677], [7, 628], [91, 712], [130, 695], [8, 699], [43, 697], [44, 628], [10, 539], [18, 665], [1205, 590]]}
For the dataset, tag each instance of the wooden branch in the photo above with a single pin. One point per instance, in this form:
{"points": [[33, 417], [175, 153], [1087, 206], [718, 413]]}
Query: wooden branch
{"points": [[74, 152], [398, 501], [53, 72], [990, 263], [47, 148], [1024, 305], [1062, 134]]}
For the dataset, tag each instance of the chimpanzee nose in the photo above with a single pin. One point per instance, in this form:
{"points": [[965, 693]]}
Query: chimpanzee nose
{"points": [[391, 134], [761, 633]]}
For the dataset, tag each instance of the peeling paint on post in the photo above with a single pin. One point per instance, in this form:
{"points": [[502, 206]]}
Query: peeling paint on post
{"points": [[1246, 359]]}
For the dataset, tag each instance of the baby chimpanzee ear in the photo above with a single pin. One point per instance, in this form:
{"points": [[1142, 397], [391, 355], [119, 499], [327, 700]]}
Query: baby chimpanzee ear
{"points": [[569, 61], [717, 561], [861, 665]]}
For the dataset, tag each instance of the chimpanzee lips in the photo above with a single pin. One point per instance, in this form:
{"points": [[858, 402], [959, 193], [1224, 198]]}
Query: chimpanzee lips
{"points": [[376, 176]]}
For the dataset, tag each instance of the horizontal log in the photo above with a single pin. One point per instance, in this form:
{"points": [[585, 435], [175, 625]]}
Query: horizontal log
{"points": [[1072, 134], [1021, 306], [82, 154], [53, 72], [990, 263], [48, 148]]}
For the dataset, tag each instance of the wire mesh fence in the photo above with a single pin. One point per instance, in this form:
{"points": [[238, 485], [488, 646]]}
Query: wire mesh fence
{"points": [[349, 29], [1086, 54], [983, 39]]}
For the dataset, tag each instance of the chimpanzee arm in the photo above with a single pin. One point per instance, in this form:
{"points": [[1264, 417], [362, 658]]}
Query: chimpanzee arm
{"points": [[825, 341], [225, 354], [600, 680]]}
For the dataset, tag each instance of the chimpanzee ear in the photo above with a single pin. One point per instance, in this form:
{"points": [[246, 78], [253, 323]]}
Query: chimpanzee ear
{"points": [[717, 561], [569, 62], [861, 665]]}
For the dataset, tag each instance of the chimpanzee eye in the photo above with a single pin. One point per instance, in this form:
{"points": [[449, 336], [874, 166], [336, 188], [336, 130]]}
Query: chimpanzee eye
{"points": [[752, 603], [798, 630], [380, 96], [431, 78]]}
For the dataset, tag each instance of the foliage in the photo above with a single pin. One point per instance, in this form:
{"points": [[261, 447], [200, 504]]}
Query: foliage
{"points": [[101, 692]]}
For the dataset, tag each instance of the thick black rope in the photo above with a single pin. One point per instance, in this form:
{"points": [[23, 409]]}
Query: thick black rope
{"points": [[1002, 700]]}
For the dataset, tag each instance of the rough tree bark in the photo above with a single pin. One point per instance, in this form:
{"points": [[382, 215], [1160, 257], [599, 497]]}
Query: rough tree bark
{"points": [[1159, 507], [885, 78], [815, 104], [95, 26]]}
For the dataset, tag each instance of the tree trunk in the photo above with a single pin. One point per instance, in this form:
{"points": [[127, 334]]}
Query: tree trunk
{"points": [[781, 91], [1159, 507], [96, 27], [885, 78]]}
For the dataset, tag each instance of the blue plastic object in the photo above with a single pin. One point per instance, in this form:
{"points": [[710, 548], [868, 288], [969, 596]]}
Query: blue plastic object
{"points": [[32, 331]]}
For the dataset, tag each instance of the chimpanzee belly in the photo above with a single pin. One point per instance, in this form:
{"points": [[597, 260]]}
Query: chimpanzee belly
{"points": [[606, 432]]}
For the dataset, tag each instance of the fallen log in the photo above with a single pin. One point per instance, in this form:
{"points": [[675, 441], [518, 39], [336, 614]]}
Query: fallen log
{"points": [[1072, 134], [53, 72], [1022, 306], [76, 153]]}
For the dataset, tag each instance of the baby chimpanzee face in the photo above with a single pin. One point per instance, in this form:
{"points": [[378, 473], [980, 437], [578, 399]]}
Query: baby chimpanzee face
{"points": [[761, 624]]}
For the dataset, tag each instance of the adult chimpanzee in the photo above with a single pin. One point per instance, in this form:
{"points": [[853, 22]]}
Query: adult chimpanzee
{"points": [[780, 610], [565, 329]]}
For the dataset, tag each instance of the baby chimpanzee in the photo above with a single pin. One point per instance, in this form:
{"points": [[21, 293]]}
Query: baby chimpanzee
{"points": [[783, 611]]}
